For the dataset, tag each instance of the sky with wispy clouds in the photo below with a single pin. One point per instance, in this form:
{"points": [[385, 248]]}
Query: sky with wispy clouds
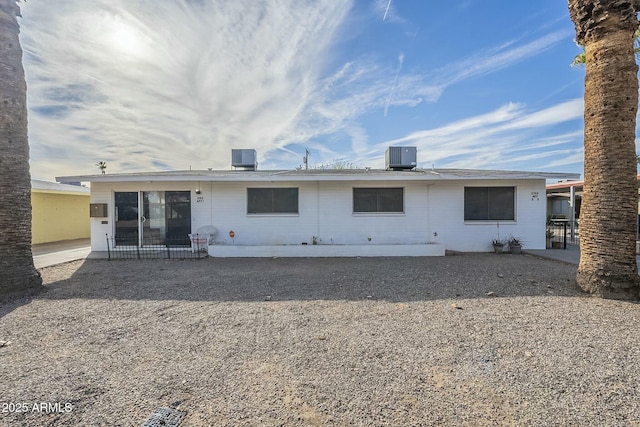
{"points": [[176, 84]]}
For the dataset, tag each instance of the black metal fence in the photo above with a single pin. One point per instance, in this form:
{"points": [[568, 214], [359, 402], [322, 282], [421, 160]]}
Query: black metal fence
{"points": [[128, 247], [561, 233]]}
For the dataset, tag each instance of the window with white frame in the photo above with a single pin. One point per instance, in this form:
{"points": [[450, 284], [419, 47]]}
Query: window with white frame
{"points": [[489, 203], [272, 200], [378, 200]]}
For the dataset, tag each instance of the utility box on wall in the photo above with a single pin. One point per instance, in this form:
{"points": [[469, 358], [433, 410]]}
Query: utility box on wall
{"points": [[98, 210]]}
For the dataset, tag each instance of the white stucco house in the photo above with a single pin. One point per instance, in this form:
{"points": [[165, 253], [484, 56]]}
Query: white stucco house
{"points": [[396, 211]]}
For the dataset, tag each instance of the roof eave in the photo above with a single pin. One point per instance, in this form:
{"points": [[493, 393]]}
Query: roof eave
{"points": [[66, 193], [304, 176]]}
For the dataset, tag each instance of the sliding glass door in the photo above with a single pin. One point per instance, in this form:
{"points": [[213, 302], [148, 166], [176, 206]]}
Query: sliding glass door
{"points": [[164, 220], [126, 218], [154, 225]]}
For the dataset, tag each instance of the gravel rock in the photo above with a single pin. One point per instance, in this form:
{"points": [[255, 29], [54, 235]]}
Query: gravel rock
{"points": [[116, 340]]}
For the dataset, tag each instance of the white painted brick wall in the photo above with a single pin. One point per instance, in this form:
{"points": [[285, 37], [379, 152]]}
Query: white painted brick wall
{"points": [[325, 211], [447, 216]]}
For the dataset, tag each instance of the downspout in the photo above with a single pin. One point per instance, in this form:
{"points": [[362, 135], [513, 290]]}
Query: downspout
{"points": [[429, 235], [572, 212], [211, 203], [318, 210]]}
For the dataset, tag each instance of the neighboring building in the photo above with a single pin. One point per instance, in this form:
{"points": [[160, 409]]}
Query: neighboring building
{"points": [[561, 196], [564, 195], [353, 212], [59, 212]]}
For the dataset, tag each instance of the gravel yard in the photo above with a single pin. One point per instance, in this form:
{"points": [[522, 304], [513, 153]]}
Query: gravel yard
{"points": [[473, 339]]}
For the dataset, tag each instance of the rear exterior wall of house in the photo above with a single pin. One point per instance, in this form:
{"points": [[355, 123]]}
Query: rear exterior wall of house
{"points": [[432, 211]]}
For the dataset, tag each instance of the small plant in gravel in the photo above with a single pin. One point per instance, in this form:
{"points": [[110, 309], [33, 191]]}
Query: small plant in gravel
{"points": [[498, 245], [515, 245]]}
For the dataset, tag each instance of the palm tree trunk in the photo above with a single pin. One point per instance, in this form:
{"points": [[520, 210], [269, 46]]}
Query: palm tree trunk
{"points": [[609, 213], [17, 271]]}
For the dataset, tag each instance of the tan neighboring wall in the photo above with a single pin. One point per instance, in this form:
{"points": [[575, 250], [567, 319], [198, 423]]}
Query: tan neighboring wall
{"points": [[59, 212]]}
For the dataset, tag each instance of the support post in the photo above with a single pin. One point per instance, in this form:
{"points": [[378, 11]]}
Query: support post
{"points": [[572, 212]]}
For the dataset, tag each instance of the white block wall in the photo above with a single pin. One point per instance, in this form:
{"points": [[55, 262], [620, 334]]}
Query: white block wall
{"points": [[447, 216], [326, 211], [105, 193]]}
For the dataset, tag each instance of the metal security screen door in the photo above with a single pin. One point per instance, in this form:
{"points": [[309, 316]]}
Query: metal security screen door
{"points": [[178, 218], [126, 218], [165, 218]]}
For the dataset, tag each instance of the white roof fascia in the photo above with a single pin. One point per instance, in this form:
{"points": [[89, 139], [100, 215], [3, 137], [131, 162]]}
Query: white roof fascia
{"points": [[305, 176], [38, 186], [67, 193]]}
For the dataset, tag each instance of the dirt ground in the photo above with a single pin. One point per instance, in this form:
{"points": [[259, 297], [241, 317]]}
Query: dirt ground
{"points": [[474, 339]]}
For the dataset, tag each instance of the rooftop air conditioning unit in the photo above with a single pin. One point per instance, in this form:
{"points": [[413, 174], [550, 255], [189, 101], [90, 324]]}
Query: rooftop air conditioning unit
{"points": [[400, 158], [244, 158]]}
